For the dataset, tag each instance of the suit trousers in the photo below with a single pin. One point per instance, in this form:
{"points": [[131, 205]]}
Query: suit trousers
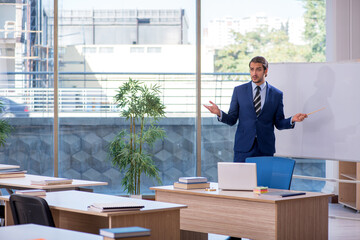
{"points": [[254, 152]]}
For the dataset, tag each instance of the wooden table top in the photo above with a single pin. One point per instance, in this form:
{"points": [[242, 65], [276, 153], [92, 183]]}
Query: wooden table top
{"points": [[25, 182], [78, 201], [34, 231], [242, 195]]}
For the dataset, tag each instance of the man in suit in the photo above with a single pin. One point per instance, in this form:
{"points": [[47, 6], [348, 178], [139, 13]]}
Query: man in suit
{"points": [[257, 107]]}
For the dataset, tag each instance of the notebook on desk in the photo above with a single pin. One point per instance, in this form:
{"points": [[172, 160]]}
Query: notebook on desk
{"points": [[237, 176], [114, 207]]}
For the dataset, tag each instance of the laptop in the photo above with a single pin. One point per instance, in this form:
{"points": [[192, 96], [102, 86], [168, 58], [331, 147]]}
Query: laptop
{"points": [[237, 176]]}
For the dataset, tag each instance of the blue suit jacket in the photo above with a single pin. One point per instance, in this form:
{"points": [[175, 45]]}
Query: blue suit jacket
{"points": [[250, 126]]}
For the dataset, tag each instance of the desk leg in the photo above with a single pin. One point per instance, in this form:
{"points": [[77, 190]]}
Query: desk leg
{"points": [[190, 235], [308, 219], [8, 215]]}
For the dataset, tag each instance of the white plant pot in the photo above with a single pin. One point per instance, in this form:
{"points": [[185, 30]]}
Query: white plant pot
{"points": [[136, 196]]}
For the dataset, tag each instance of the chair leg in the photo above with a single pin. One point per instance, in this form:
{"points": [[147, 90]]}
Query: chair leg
{"points": [[2, 215]]}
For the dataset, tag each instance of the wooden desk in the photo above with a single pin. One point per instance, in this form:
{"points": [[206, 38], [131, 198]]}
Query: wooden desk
{"points": [[69, 209], [25, 183], [34, 231], [6, 166], [248, 215]]}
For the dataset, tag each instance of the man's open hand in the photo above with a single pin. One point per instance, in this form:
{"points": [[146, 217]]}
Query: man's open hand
{"points": [[213, 108]]}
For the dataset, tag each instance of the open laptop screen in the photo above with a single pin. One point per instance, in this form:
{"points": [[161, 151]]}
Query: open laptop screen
{"points": [[237, 176]]}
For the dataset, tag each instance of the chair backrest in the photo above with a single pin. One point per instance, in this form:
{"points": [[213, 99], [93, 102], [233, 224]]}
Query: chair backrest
{"points": [[273, 172], [30, 209]]}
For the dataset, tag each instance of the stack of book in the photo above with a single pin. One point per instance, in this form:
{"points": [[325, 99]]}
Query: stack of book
{"points": [[51, 181], [32, 192], [114, 207], [192, 183], [12, 173], [125, 232]]}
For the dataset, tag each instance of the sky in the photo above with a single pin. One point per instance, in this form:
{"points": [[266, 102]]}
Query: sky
{"points": [[211, 9]]}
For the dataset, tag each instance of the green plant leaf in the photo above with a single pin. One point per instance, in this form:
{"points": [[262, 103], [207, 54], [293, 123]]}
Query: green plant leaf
{"points": [[141, 105]]}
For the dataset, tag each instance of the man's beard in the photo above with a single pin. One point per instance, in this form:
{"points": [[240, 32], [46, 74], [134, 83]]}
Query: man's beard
{"points": [[258, 80]]}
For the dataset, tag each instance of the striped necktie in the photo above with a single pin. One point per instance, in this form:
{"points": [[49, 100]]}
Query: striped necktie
{"points": [[257, 101]]}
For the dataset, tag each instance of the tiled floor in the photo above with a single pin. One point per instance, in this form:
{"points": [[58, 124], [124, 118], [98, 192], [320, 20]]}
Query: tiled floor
{"points": [[344, 223]]}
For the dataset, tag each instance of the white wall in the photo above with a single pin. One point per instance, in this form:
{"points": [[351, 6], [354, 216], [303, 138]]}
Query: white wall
{"points": [[343, 30]]}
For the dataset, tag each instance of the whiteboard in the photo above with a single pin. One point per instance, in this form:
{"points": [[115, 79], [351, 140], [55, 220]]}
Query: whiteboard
{"points": [[333, 133]]}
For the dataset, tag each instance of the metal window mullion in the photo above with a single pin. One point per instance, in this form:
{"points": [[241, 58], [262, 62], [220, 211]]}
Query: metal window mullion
{"points": [[198, 88], [56, 102]]}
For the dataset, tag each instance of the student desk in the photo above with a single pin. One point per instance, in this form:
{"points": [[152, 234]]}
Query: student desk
{"points": [[34, 231], [246, 214], [25, 183], [69, 209], [6, 166]]}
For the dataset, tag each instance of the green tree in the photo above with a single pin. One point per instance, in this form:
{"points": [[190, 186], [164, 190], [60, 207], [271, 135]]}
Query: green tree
{"points": [[274, 44], [315, 29]]}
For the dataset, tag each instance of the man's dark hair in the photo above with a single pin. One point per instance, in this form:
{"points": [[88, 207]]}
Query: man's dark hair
{"points": [[260, 59]]}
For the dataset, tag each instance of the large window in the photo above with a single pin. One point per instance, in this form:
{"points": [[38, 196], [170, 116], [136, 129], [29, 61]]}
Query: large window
{"points": [[103, 44], [234, 32], [26, 80]]}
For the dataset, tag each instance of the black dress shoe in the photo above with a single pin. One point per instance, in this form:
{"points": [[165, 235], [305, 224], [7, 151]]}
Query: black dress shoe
{"points": [[233, 238]]}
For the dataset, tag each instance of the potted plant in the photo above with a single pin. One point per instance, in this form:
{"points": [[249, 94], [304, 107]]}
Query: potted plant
{"points": [[5, 128], [142, 107]]}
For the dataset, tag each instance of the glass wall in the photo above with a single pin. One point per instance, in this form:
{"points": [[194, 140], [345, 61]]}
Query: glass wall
{"points": [[234, 32], [101, 46], [26, 80]]}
